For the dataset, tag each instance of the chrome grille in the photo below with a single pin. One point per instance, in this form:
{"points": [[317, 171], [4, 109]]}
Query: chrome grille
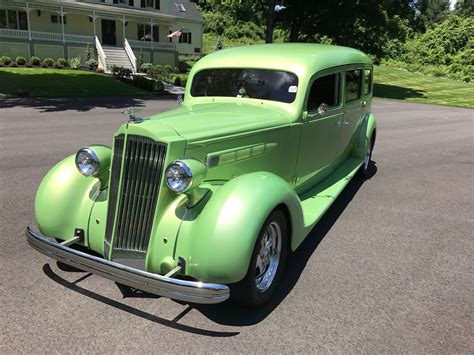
{"points": [[142, 169], [113, 191]]}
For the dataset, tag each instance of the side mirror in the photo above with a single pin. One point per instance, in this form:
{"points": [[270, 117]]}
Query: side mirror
{"points": [[322, 109]]}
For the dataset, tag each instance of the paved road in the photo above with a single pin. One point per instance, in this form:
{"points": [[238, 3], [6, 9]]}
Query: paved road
{"points": [[389, 268]]}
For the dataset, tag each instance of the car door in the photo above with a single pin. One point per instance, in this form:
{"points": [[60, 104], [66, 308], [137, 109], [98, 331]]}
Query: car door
{"points": [[353, 103], [320, 132]]}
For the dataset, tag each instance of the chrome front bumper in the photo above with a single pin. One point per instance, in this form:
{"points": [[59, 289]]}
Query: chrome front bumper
{"points": [[187, 291]]}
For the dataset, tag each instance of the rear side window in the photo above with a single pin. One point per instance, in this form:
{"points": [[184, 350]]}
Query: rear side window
{"points": [[367, 81], [325, 90], [352, 89]]}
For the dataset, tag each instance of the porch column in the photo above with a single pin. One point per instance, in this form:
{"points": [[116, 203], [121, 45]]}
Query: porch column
{"points": [[93, 20], [123, 26], [62, 24], [28, 20], [151, 29]]}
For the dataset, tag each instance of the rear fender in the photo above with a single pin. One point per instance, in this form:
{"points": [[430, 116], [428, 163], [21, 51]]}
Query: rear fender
{"points": [[217, 237], [364, 136]]}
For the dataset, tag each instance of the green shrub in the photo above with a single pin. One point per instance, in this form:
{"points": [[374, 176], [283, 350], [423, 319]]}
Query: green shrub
{"points": [[13, 64], [121, 72], [92, 64], [4, 60], [35, 61], [145, 67], [244, 30], [48, 62], [62, 62], [143, 82], [20, 60], [158, 86], [176, 70], [183, 66], [74, 62], [177, 81]]}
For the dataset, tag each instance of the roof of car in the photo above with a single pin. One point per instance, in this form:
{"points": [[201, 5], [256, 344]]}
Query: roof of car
{"points": [[299, 58]]}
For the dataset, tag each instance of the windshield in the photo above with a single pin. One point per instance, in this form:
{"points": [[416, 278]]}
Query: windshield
{"points": [[252, 83]]}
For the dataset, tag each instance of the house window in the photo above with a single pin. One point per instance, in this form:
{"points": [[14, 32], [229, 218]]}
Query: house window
{"points": [[57, 19], [12, 20], [125, 2], [185, 37], [325, 90], [352, 85], [16, 20], [145, 33], [151, 3]]}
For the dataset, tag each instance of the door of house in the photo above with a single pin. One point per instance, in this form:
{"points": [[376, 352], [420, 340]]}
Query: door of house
{"points": [[109, 33]]}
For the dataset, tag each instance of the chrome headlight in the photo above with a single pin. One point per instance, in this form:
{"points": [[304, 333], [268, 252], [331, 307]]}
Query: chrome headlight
{"points": [[179, 176], [87, 162], [185, 175]]}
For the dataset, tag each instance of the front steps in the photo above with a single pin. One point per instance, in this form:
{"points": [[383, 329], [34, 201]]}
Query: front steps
{"points": [[117, 56]]}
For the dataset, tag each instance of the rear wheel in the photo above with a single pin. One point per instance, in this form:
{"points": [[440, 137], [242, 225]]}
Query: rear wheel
{"points": [[364, 169], [266, 265]]}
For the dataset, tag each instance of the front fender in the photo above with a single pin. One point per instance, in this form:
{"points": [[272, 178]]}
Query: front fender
{"points": [[364, 135], [217, 239], [64, 200]]}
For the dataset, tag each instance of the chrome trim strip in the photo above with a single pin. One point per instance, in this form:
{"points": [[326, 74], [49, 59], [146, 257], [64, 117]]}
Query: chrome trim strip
{"points": [[187, 291]]}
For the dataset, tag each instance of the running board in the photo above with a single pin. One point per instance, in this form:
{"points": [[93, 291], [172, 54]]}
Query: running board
{"points": [[317, 201]]}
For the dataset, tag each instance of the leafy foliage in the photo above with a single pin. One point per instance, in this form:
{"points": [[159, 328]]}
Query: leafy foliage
{"points": [[92, 63], [35, 60], [74, 62], [5, 60], [49, 62], [62, 62], [446, 50], [121, 72], [145, 67], [20, 60]]}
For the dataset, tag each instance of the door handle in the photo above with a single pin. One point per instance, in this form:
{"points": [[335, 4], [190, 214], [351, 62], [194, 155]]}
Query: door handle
{"points": [[342, 123]]}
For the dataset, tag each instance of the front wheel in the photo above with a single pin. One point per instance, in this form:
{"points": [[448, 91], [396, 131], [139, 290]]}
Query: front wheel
{"points": [[266, 265]]}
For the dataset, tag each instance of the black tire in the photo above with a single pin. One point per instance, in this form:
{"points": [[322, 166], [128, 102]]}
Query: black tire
{"points": [[364, 169], [246, 292]]}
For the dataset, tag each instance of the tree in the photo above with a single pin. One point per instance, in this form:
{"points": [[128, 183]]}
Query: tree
{"points": [[433, 11], [270, 20], [465, 8]]}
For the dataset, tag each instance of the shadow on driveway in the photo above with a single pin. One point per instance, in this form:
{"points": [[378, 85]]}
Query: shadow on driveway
{"points": [[82, 104], [228, 313]]}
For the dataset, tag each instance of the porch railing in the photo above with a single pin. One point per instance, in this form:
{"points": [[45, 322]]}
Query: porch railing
{"points": [[152, 45], [100, 54], [45, 36], [131, 55]]}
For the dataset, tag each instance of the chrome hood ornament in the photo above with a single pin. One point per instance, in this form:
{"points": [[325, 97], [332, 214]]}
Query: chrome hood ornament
{"points": [[131, 113]]}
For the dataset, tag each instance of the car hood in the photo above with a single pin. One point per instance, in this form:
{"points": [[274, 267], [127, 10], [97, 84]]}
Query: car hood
{"points": [[212, 120]]}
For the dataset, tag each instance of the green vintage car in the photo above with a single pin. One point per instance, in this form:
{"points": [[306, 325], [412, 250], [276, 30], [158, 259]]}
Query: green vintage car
{"points": [[204, 202]]}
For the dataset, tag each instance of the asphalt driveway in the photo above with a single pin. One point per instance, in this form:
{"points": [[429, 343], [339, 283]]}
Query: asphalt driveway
{"points": [[388, 269]]}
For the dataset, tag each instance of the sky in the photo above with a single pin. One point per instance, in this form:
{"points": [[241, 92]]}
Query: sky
{"points": [[452, 3]]}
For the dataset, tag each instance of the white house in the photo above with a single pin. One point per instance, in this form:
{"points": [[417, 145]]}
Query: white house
{"points": [[118, 32]]}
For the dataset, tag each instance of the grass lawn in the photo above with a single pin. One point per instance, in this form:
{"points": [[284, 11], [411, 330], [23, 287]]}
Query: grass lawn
{"points": [[400, 84], [62, 83]]}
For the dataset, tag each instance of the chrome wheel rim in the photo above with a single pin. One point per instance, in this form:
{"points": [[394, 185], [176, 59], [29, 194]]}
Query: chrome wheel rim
{"points": [[367, 159], [268, 257]]}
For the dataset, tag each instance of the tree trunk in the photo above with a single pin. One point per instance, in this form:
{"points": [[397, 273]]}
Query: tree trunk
{"points": [[270, 21], [295, 21]]}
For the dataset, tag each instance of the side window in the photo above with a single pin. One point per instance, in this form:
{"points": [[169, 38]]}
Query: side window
{"points": [[352, 89], [325, 90], [367, 81]]}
